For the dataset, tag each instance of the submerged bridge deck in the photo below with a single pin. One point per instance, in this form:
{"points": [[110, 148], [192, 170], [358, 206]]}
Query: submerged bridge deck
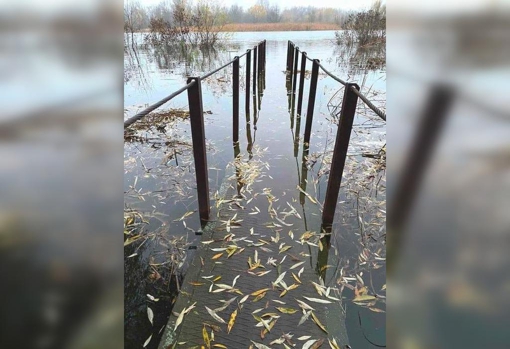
{"points": [[230, 275], [254, 282]]}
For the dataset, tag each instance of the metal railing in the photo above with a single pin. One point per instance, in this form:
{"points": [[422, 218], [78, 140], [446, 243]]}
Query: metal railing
{"points": [[348, 110], [194, 88]]}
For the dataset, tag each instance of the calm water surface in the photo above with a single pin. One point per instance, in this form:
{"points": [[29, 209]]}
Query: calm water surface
{"points": [[159, 172]]}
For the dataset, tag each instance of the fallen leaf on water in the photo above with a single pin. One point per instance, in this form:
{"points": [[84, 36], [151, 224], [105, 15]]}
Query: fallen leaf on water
{"points": [[307, 195], [333, 344], [256, 293], [235, 279], [194, 283], [317, 300], [260, 346], [280, 278], [147, 341], [304, 317], [151, 297], [309, 344], [215, 316], [181, 315], [296, 278], [296, 265], [300, 272], [287, 310], [304, 338], [285, 248], [231, 321], [259, 297], [304, 305], [317, 344], [363, 298], [316, 320], [150, 315], [278, 341], [217, 345], [205, 335], [216, 256], [225, 306]]}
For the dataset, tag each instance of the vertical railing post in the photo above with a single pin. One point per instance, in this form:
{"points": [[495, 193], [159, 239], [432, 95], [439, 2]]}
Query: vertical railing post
{"points": [[432, 119], [255, 57], [259, 64], [235, 97], [343, 134], [311, 101], [301, 84], [288, 55], [294, 71], [248, 64], [199, 148], [291, 63], [263, 56]]}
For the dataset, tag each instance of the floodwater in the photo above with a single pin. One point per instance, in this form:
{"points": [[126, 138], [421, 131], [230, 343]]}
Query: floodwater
{"points": [[159, 182]]}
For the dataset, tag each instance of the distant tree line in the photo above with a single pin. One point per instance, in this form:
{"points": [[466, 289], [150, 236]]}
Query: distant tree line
{"points": [[137, 17]]}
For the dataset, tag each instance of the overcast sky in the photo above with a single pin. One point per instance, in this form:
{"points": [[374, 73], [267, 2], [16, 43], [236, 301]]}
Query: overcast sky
{"points": [[341, 4]]}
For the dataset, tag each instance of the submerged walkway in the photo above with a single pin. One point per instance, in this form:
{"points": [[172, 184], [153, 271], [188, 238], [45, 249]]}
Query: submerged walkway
{"points": [[256, 278], [232, 295]]}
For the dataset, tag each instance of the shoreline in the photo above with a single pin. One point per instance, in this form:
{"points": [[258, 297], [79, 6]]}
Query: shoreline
{"points": [[269, 27]]}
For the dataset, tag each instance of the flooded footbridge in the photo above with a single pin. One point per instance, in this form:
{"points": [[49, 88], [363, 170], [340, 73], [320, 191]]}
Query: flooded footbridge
{"points": [[259, 277]]}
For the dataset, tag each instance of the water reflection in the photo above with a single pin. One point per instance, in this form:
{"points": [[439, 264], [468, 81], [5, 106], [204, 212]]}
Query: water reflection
{"points": [[158, 176], [142, 59], [360, 60]]}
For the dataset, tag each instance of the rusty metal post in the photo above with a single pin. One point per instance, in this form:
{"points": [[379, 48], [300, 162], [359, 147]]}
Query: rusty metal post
{"points": [[288, 56], [196, 112], [248, 64], [432, 119], [235, 97], [259, 65], [311, 101], [294, 71], [343, 134], [263, 56], [291, 64], [301, 85], [255, 57]]}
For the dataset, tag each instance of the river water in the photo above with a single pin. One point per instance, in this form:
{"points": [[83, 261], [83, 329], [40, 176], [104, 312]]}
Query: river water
{"points": [[160, 193]]}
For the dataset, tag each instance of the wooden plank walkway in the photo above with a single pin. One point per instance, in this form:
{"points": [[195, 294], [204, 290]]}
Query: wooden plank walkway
{"points": [[213, 278]]}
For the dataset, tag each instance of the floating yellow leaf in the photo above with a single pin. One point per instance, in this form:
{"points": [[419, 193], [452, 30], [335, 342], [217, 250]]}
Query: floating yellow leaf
{"points": [[285, 248], [292, 287], [363, 298], [217, 345], [287, 310], [231, 250], [207, 341], [256, 293], [316, 320], [333, 344], [296, 278], [194, 283], [232, 321], [259, 297], [307, 195], [216, 256]]}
